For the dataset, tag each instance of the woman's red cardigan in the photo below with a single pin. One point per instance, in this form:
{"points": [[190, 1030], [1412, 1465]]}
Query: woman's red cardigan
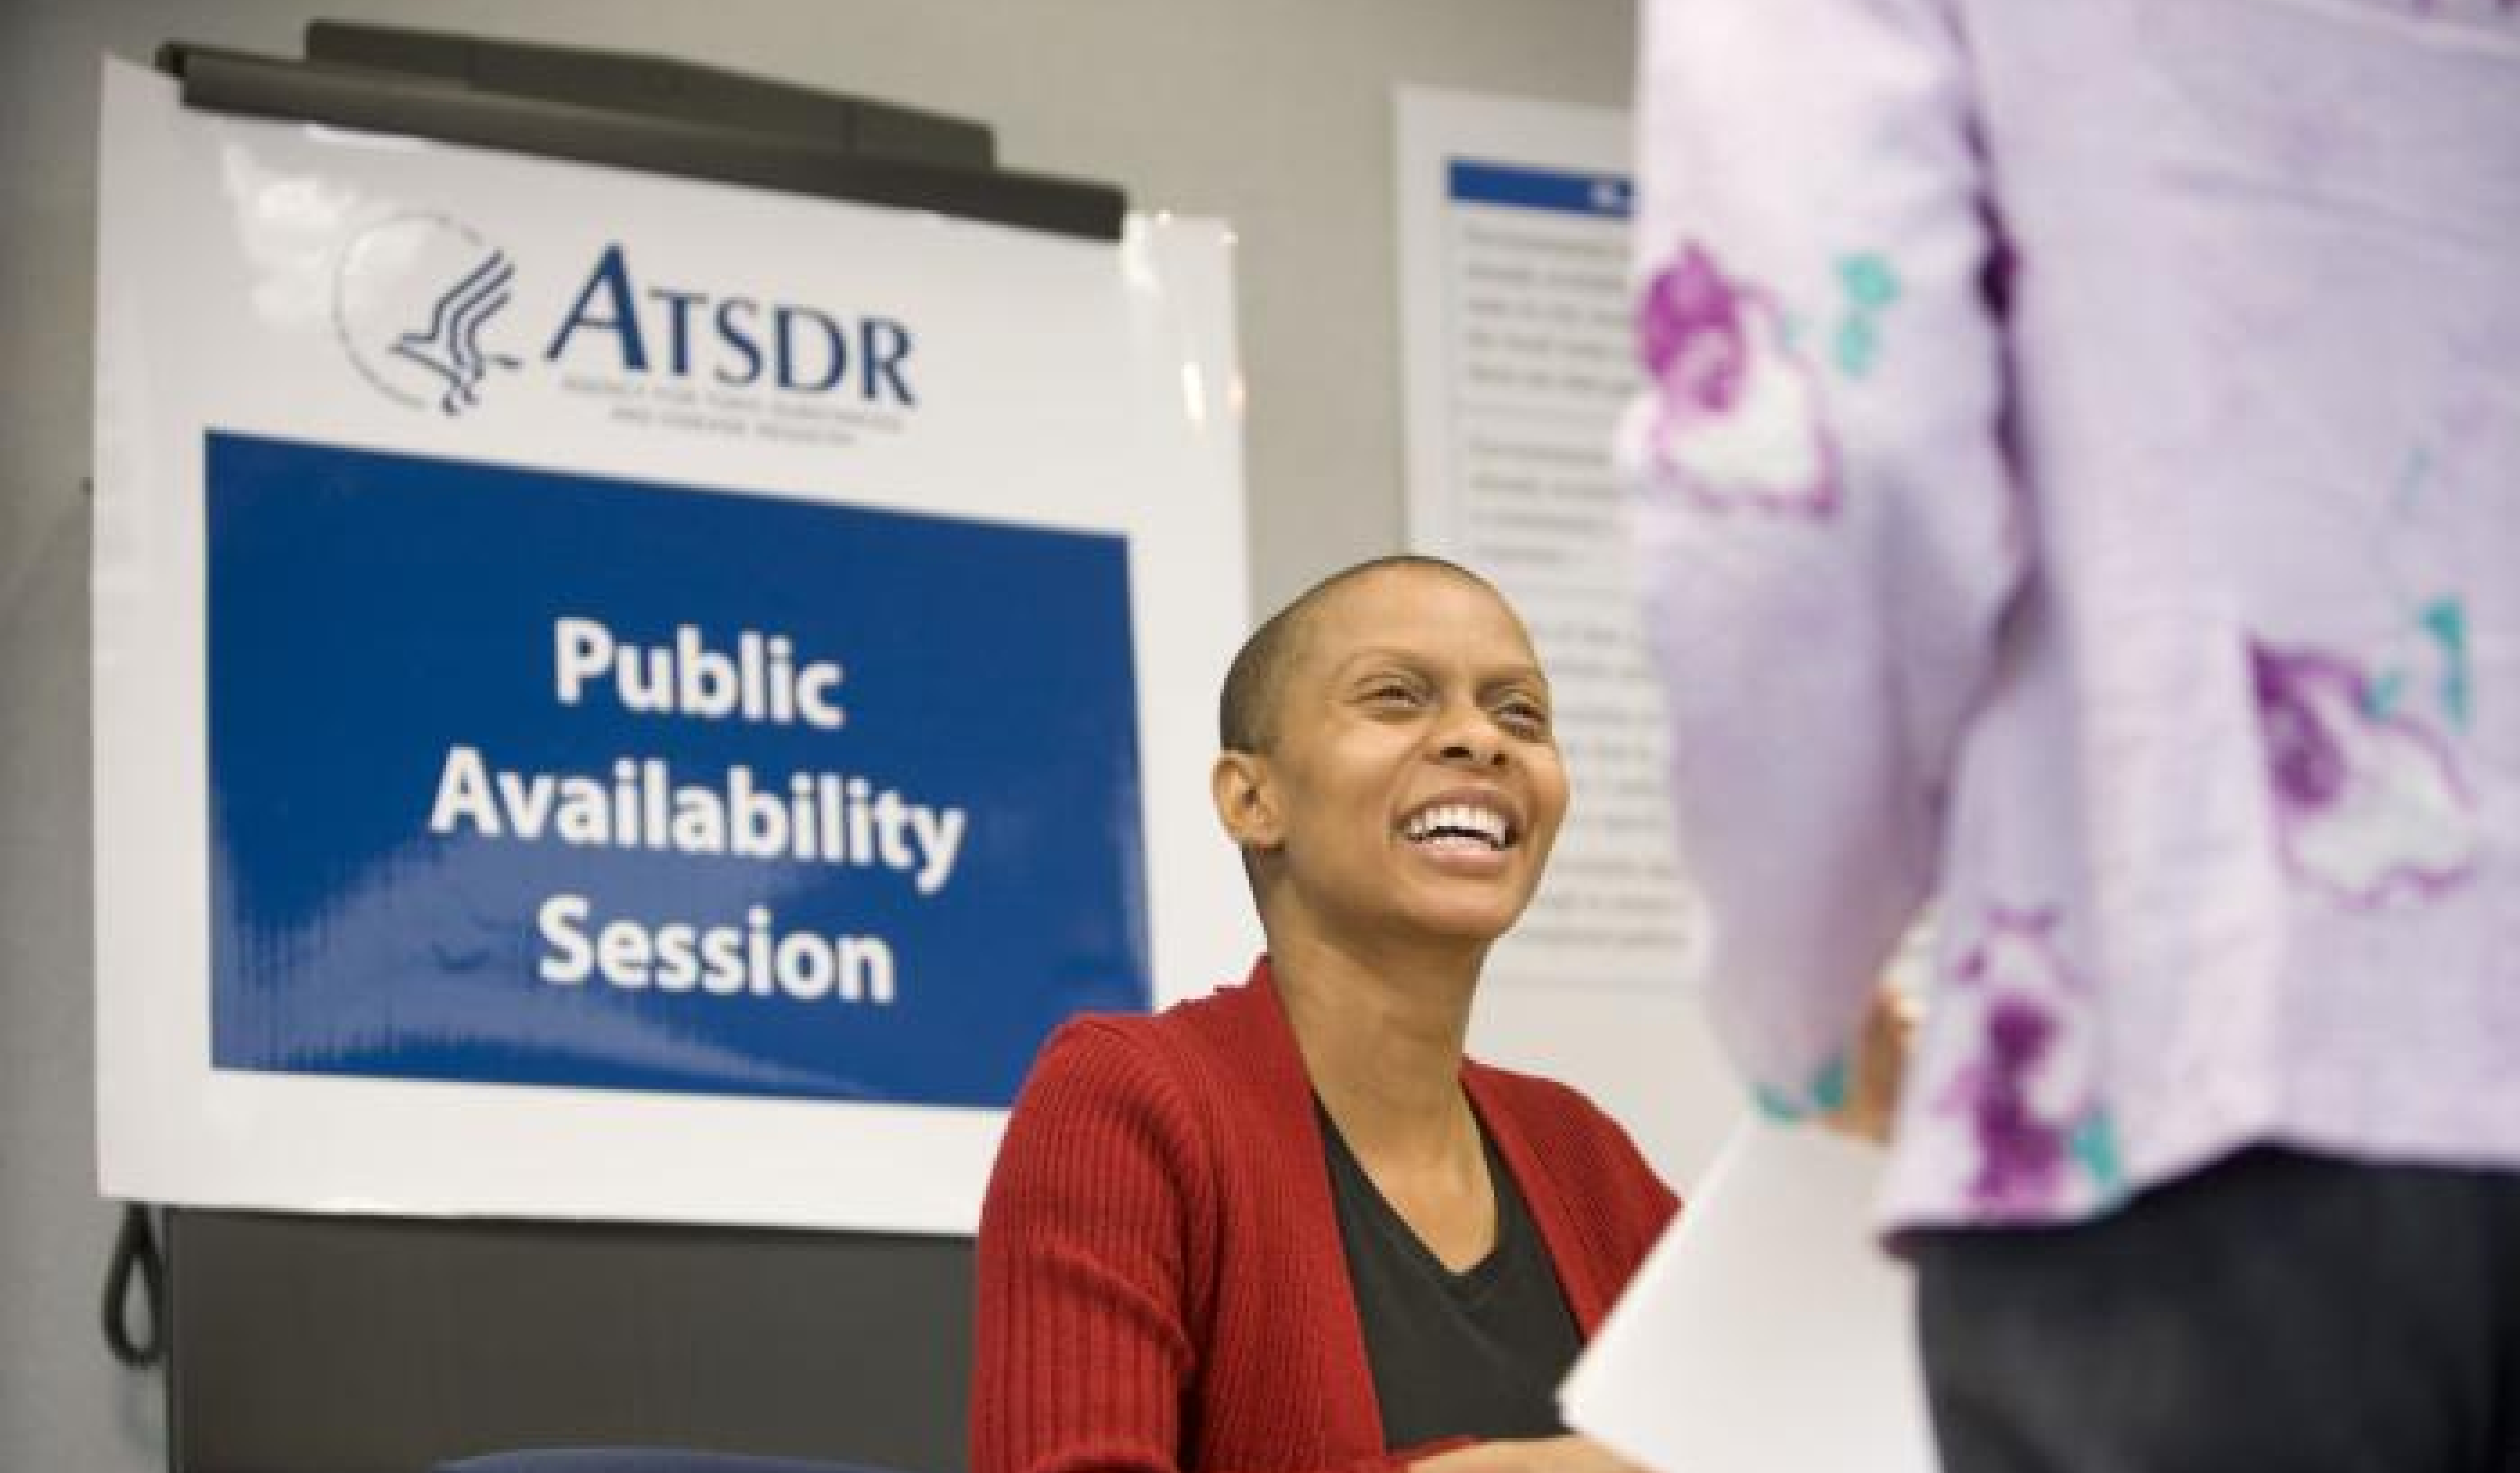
{"points": [[1160, 1280]]}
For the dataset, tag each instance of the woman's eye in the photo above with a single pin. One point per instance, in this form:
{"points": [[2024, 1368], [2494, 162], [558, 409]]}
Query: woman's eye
{"points": [[1523, 718], [1392, 693]]}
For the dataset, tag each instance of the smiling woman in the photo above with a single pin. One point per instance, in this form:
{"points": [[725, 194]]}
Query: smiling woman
{"points": [[1396, 693], [1291, 1225]]}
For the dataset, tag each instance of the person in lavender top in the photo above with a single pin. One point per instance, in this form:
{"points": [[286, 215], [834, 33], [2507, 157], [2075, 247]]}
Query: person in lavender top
{"points": [[2077, 481]]}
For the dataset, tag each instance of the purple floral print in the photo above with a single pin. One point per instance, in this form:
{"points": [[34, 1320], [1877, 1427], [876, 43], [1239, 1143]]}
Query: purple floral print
{"points": [[2369, 805], [1735, 421], [2027, 1094]]}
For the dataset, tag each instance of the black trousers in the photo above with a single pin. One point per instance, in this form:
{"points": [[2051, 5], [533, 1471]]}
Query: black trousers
{"points": [[2278, 1312]]}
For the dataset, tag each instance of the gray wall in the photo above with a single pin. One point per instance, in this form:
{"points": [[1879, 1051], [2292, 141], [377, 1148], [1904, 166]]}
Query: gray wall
{"points": [[1273, 114]]}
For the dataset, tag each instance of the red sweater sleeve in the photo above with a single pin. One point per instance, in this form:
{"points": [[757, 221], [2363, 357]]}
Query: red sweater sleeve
{"points": [[1095, 1252], [1083, 1343]]}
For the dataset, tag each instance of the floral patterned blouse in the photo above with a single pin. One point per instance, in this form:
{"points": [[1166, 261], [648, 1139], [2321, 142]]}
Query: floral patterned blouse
{"points": [[2079, 484]]}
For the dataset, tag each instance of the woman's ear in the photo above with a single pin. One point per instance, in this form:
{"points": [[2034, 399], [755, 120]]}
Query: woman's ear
{"points": [[1246, 800]]}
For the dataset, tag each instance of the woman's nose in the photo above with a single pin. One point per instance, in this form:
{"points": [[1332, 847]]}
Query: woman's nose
{"points": [[1472, 736]]}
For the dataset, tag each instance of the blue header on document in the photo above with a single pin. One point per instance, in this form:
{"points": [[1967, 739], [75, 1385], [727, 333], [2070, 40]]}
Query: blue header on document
{"points": [[536, 778], [1473, 181]]}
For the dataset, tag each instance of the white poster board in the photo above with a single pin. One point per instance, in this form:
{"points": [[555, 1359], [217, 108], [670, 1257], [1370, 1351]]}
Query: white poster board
{"points": [[628, 697]]}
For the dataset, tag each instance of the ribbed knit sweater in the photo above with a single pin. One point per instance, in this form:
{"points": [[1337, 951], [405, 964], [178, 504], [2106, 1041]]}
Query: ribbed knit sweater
{"points": [[1161, 1284]]}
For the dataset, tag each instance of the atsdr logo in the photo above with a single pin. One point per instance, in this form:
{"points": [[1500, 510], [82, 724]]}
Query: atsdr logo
{"points": [[411, 300]]}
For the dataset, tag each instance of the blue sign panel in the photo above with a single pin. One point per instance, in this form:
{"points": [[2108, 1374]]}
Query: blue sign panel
{"points": [[1473, 181], [540, 779]]}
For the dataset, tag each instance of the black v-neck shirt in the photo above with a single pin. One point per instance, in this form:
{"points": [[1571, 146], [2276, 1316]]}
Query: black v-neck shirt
{"points": [[1476, 1353]]}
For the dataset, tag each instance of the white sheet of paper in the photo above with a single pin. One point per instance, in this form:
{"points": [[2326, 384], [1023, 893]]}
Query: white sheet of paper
{"points": [[1767, 1331]]}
